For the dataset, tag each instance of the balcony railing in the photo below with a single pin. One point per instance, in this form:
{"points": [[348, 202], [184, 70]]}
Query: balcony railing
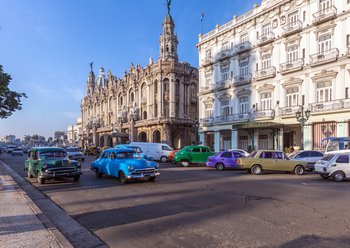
{"points": [[207, 61], [266, 38], [207, 121], [224, 54], [243, 47], [264, 114], [292, 28], [244, 78], [265, 73], [291, 66], [226, 83], [324, 57], [207, 87], [325, 15], [285, 111], [330, 105]]}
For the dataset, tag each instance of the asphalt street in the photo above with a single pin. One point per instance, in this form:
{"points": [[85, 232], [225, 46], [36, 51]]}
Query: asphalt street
{"points": [[201, 207]]}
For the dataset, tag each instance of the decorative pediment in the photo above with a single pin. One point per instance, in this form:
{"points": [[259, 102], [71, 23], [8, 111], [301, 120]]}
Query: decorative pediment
{"points": [[324, 29], [244, 60], [266, 87], [224, 95], [324, 75], [208, 99], [266, 50], [243, 92], [293, 40], [292, 82]]}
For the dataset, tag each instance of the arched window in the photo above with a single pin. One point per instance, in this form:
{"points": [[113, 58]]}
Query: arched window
{"points": [[120, 101], [144, 90], [131, 96]]}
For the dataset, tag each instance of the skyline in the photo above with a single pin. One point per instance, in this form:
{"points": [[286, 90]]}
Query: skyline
{"points": [[48, 49]]}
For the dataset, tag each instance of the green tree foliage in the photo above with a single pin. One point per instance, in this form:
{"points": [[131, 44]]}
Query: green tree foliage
{"points": [[10, 101]]}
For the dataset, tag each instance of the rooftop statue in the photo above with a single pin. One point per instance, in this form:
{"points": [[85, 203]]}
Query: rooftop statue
{"points": [[168, 2]]}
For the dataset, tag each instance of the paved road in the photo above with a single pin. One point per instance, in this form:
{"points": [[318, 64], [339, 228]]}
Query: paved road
{"points": [[200, 207]]}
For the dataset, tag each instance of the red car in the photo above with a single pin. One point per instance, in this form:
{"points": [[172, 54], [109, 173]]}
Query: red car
{"points": [[171, 156]]}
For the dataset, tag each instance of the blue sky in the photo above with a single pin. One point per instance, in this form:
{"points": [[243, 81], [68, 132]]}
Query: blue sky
{"points": [[46, 46]]}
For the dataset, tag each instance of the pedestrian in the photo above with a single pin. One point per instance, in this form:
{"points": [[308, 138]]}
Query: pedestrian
{"points": [[96, 151]]}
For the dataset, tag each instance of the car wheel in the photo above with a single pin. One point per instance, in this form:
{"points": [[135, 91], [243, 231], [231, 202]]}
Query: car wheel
{"points": [[185, 163], [256, 169], [122, 177], [163, 159], [40, 179], [151, 179], [98, 173], [76, 178], [29, 175], [338, 176], [324, 176], [249, 171], [219, 166], [299, 170]]}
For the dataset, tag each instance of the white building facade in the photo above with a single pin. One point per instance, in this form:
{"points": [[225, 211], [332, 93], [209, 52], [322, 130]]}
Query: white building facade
{"points": [[74, 133], [262, 67]]}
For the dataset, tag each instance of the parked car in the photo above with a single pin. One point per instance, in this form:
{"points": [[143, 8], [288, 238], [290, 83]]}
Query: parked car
{"points": [[74, 153], [136, 148], [17, 152], [157, 151], [10, 148], [171, 156], [335, 166], [49, 163], [269, 160], [193, 154], [311, 157], [245, 153], [224, 160], [125, 164]]}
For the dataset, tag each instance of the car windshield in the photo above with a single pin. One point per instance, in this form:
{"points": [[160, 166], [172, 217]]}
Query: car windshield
{"points": [[124, 155], [53, 155], [327, 158], [73, 149]]}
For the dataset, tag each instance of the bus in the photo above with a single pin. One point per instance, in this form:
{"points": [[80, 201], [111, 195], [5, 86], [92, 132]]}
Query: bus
{"points": [[338, 144]]}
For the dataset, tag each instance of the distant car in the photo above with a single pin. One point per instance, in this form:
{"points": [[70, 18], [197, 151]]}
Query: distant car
{"points": [[17, 152], [74, 153], [311, 157], [46, 163], [193, 154], [10, 148], [224, 160], [126, 164], [246, 154], [335, 166], [136, 148], [157, 151], [269, 160]]}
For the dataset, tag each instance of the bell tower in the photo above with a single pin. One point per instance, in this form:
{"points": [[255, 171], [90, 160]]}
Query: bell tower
{"points": [[90, 83], [168, 40]]}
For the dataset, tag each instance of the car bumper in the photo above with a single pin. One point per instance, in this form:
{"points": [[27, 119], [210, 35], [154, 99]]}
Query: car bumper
{"points": [[142, 175], [54, 174], [322, 170], [210, 164]]}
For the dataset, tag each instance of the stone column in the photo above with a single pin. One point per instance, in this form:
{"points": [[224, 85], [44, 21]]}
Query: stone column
{"points": [[280, 139], [159, 99], [346, 129], [307, 139], [201, 138], [234, 139], [340, 130], [105, 140], [149, 100], [172, 96], [95, 138], [256, 140], [181, 100], [216, 141]]}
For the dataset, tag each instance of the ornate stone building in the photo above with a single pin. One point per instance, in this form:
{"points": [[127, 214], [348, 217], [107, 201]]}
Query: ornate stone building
{"points": [[156, 103]]}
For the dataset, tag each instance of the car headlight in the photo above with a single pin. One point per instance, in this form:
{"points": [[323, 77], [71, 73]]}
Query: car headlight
{"points": [[131, 167], [156, 165], [44, 166], [78, 165]]}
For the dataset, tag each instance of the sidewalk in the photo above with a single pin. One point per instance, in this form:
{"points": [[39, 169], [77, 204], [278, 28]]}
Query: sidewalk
{"points": [[21, 222]]}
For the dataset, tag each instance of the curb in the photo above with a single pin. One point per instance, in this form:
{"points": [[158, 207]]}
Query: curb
{"points": [[66, 230]]}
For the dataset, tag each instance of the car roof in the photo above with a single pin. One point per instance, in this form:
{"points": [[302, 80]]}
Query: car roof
{"points": [[120, 150], [45, 149], [196, 146]]}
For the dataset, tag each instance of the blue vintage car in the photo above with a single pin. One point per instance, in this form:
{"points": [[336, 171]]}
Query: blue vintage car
{"points": [[126, 164]]}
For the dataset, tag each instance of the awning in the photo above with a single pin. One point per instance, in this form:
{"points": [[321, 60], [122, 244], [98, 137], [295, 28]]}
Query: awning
{"points": [[258, 125]]}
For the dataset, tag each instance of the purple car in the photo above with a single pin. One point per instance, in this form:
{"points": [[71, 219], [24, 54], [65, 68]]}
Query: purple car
{"points": [[225, 159]]}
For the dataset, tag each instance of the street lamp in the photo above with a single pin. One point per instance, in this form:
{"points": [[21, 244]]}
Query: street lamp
{"points": [[302, 117], [195, 126]]}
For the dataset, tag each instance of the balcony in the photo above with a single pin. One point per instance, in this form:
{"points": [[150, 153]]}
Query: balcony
{"points": [[208, 61], [288, 111], [206, 121], [223, 84], [324, 15], [207, 88], [264, 114], [266, 38], [330, 106], [243, 47], [265, 73], [291, 66], [324, 57], [244, 78], [292, 28], [224, 54]]}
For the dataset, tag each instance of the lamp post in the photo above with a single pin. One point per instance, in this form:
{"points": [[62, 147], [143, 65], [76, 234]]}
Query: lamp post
{"points": [[195, 126], [302, 117]]}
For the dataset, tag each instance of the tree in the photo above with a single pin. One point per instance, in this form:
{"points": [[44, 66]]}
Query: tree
{"points": [[10, 101]]}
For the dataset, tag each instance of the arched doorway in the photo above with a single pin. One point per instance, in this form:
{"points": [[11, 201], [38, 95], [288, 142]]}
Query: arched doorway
{"points": [[156, 136], [142, 137], [102, 142]]}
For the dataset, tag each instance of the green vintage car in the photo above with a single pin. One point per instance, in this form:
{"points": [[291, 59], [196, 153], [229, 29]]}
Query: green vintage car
{"points": [[193, 154], [269, 160], [49, 163]]}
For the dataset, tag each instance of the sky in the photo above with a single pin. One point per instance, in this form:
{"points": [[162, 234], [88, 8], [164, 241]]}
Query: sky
{"points": [[46, 46]]}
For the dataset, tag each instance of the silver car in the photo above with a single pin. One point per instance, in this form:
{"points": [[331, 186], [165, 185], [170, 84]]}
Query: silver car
{"points": [[17, 152], [311, 157], [74, 153]]}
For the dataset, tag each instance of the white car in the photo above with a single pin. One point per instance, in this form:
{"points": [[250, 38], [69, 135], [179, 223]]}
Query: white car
{"points": [[311, 157], [246, 154], [335, 166], [74, 153], [17, 152]]}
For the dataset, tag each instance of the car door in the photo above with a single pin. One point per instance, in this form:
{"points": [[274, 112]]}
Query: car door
{"points": [[281, 161], [227, 159], [103, 163], [267, 160], [196, 155], [111, 164], [315, 156], [343, 164], [205, 153]]}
